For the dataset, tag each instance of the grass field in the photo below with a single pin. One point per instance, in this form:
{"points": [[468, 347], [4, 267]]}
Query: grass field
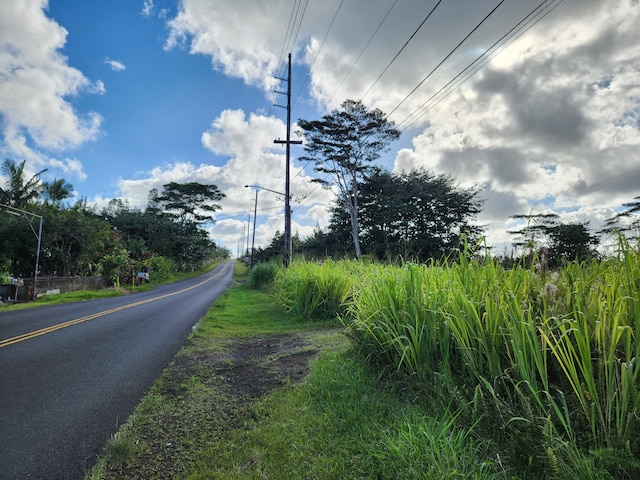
{"points": [[453, 370]]}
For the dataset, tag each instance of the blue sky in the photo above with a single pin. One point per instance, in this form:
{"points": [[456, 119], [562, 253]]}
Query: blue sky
{"points": [[123, 96]]}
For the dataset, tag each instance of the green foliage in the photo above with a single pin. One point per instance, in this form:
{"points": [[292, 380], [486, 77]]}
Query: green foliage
{"points": [[415, 214], [343, 144], [313, 291], [116, 265], [19, 192], [189, 202], [263, 275], [552, 355], [160, 268]]}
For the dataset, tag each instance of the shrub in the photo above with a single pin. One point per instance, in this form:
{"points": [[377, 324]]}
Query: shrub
{"points": [[262, 274], [160, 268], [313, 291]]}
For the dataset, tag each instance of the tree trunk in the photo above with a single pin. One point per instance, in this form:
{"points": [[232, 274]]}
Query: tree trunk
{"points": [[353, 214]]}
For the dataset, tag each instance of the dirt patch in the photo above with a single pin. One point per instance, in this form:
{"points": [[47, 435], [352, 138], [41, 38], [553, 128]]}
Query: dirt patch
{"points": [[204, 394], [254, 367]]}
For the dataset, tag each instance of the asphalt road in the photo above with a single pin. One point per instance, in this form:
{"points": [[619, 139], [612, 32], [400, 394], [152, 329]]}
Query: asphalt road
{"points": [[71, 374]]}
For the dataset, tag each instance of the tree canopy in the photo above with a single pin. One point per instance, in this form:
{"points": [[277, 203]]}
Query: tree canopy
{"points": [[343, 145], [415, 214], [79, 240], [189, 202], [18, 190]]}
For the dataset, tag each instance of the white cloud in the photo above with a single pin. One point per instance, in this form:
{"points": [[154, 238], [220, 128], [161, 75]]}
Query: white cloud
{"points": [[116, 65], [214, 28], [555, 121], [552, 121], [240, 141], [147, 8], [35, 82]]}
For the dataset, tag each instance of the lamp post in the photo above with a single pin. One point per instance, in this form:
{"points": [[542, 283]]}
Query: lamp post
{"points": [[287, 222], [17, 212]]}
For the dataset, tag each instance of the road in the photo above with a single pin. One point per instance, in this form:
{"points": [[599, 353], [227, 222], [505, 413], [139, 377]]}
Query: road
{"points": [[71, 374]]}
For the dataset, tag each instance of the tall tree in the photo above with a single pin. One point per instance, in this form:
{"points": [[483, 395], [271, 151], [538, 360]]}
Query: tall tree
{"points": [[18, 191], [343, 144], [569, 242], [535, 233], [189, 202], [414, 214], [57, 190]]}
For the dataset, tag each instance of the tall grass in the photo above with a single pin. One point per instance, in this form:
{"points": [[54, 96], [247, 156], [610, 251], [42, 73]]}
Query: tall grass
{"points": [[263, 275], [555, 353], [316, 291]]}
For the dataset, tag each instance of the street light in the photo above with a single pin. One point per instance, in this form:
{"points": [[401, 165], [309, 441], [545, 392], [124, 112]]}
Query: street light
{"points": [[17, 212], [287, 222]]}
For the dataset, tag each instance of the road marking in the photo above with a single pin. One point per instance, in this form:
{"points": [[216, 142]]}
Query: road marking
{"points": [[53, 328]]}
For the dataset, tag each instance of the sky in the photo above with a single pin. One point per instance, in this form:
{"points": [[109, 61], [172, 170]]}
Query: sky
{"points": [[538, 108]]}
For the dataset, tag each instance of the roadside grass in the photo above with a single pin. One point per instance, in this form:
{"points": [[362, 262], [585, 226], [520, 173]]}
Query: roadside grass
{"points": [[344, 420]]}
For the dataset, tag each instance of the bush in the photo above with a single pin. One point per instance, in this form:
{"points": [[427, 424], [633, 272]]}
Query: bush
{"points": [[262, 274], [312, 291], [160, 268]]}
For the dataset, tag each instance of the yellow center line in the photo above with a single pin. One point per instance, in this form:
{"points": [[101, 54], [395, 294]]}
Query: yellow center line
{"points": [[75, 321]]}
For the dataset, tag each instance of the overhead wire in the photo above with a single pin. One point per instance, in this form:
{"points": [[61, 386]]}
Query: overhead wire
{"points": [[401, 49], [530, 20], [363, 50], [445, 59], [304, 82], [293, 30]]}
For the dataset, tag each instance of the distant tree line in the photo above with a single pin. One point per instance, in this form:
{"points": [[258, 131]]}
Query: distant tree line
{"points": [[416, 215], [79, 239]]}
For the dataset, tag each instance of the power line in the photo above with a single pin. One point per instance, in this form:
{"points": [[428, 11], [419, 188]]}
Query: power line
{"points": [[524, 25], [400, 51], [445, 58], [363, 49], [335, 15]]}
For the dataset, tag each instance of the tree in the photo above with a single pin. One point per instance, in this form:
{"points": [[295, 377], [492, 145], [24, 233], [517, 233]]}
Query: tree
{"points": [[535, 233], [75, 240], [414, 214], [57, 190], [343, 145], [18, 191], [626, 221], [569, 242], [190, 202]]}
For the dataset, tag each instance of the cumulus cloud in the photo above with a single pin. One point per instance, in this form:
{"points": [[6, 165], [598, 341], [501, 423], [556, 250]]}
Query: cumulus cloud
{"points": [[553, 121], [213, 28], [147, 8], [240, 140], [35, 82]]}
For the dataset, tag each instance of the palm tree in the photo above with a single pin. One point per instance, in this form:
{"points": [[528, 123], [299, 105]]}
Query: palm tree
{"points": [[57, 190], [17, 191]]}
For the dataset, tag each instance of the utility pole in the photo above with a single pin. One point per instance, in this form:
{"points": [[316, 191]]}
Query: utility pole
{"points": [[255, 216], [287, 142], [18, 212]]}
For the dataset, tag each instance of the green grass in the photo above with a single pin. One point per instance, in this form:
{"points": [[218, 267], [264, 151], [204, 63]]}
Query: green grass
{"points": [[343, 421], [459, 370], [244, 311]]}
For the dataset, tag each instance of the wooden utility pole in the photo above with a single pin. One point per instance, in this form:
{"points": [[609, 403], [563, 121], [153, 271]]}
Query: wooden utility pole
{"points": [[255, 217], [287, 142]]}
